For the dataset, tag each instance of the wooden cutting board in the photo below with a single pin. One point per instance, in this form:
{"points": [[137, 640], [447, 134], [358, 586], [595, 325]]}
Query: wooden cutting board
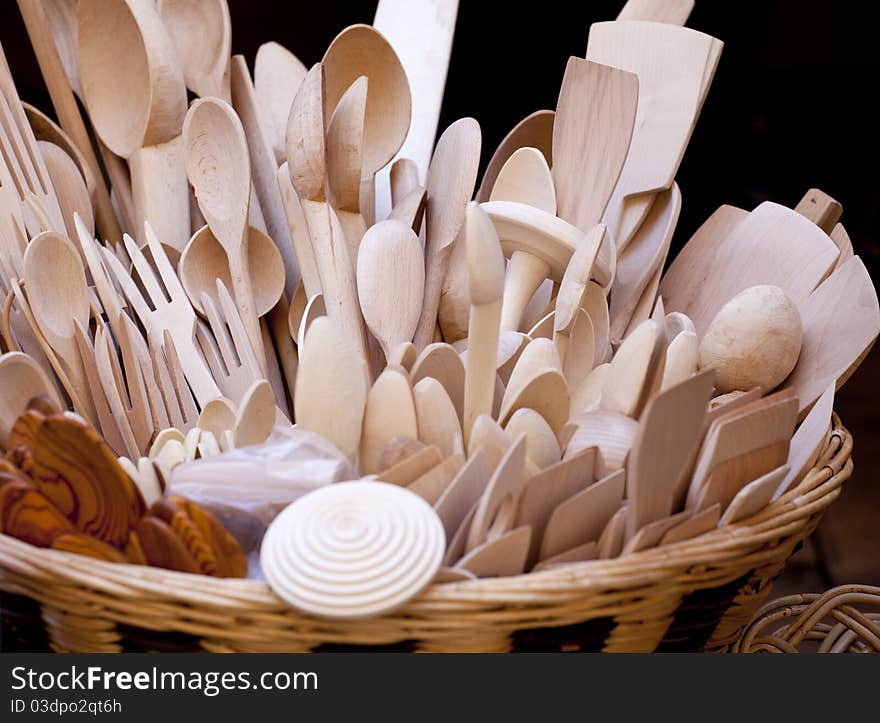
{"points": [[773, 245]]}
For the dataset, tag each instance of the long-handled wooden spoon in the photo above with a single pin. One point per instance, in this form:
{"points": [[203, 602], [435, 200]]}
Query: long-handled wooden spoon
{"points": [[278, 73]]}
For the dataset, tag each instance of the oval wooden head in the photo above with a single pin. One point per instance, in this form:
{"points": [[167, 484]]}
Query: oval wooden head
{"points": [[345, 139], [526, 178], [485, 261], [218, 166], [362, 50], [304, 137], [278, 74], [202, 35], [451, 178], [56, 284]]}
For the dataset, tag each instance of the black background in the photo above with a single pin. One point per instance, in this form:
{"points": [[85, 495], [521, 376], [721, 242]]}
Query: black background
{"points": [[792, 105]]}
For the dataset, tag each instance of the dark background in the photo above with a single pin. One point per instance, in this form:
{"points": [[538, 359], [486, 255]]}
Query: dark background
{"points": [[792, 107]]}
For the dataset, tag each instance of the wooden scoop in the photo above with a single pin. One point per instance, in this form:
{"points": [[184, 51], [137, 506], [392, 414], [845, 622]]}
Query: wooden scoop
{"points": [[391, 283], [451, 178], [218, 166], [486, 280], [675, 67]]}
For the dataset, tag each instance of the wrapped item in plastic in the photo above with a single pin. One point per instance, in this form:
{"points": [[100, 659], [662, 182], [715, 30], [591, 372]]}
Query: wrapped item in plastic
{"points": [[246, 488]]}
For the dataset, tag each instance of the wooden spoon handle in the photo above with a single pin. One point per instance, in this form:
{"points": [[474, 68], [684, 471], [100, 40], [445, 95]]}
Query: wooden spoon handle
{"points": [[525, 273], [243, 292], [435, 273], [479, 382]]}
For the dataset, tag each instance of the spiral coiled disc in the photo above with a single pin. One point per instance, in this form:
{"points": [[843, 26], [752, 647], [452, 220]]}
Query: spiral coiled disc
{"points": [[353, 550]]}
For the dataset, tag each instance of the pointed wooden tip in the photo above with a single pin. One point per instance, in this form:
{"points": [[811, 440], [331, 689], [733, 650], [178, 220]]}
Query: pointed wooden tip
{"points": [[304, 138]]}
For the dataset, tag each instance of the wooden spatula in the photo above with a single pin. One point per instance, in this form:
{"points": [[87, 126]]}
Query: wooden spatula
{"points": [[674, 12], [753, 497], [808, 440], [675, 66]]}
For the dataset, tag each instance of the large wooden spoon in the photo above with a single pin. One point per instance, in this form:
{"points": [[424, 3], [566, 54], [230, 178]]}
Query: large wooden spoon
{"points": [[278, 73]]}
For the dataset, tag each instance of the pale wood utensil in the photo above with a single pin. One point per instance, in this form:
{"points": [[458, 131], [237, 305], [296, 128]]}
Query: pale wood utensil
{"points": [[498, 504], [175, 389], [808, 440], [451, 178], [545, 491], [313, 309], [411, 209], [612, 538], [344, 143], [175, 316], [52, 30], [256, 414], [134, 90], [580, 518], [21, 379], [462, 494], [631, 369], [58, 298], [651, 534], [785, 249], [202, 36], [404, 178], [408, 470], [753, 497], [501, 557], [278, 73], [542, 447], [405, 356], [265, 192], [682, 359], [587, 395], [821, 209], [841, 322], [740, 447], [486, 285], [843, 242], [203, 261], [134, 392], [511, 345], [441, 362], [595, 115], [581, 553], [389, 412], [112, 385], [696, 524], [307, 166], [537, 382], [431, 485], [218, 166], [298, 230], [643, 256], [362, 50], [673, 12], [390, 283], [669, 430], [421, 34], [438, 422], [675, 67], [330, 370], [217, 416], [539, 305], [535, 130], [613, 433], [70, 187]]}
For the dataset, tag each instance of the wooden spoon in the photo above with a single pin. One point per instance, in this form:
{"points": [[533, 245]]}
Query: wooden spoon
{"points": [[218, 166], [204, 261], [486, 284], [305, 152], [278, 74], [21, 379], [70, 187], [362, 50], [134, 90], [391, 282], [202, 36], [542, 447], [451, 178], [535, 130], [437, 419], [613, 433], [217, 416], [441, 362], [389, 412], [330, 370], [256, 414], [631, 369]]}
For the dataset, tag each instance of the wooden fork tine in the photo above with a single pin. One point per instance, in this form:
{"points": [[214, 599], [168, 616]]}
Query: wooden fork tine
{"points": [[145, 272], [139, 410], [163, 266], [158, 412], [91, 251], [126, 283], [188, 407], [107, 364], [220, 331], [243, 348], [166, 386], [211, 351]]}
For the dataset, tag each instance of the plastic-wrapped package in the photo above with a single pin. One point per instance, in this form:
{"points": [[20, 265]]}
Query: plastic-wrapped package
{"points": [[246, 488]]}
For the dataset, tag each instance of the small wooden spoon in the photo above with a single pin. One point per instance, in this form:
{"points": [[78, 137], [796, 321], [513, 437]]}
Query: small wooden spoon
{"points": [[451, 178], [217, 416], [202, 35], [21, 379], [391, 282], [437, 419], [256, 415], [278, 74], [390, 412], [542, 447], [218, 166], [441, 362], [204, 261], [70, 187], [486, 285]]}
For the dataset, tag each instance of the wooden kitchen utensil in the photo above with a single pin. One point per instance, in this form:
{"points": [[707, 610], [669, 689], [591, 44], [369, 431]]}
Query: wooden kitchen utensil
{"points": [[612, 432], [70, 187], [821, 209], [754, 496], [441, 362], [673, 12], [217, 416], [389, 412], [542, 447], [21, 379], [694, 525], [134, 90], [486, 285], [391, 282], [341, 574], [451, 178], [255, 416], [501, 557], [675, 67], [438, 422], [362, 50], [331, 370], [630, 370], [278, 73], [807, 442]]}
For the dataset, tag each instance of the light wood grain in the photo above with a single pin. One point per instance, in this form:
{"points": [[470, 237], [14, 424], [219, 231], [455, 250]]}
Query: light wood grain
{"points": [[674, 12], [278, 73]]}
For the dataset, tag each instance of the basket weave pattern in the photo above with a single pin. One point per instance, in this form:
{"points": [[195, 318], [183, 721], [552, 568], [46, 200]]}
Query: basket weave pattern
{"points": [[695, 595]]}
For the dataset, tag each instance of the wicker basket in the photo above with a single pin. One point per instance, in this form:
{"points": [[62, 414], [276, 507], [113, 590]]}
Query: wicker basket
{"points": [[827, 623], [694, 595]]}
